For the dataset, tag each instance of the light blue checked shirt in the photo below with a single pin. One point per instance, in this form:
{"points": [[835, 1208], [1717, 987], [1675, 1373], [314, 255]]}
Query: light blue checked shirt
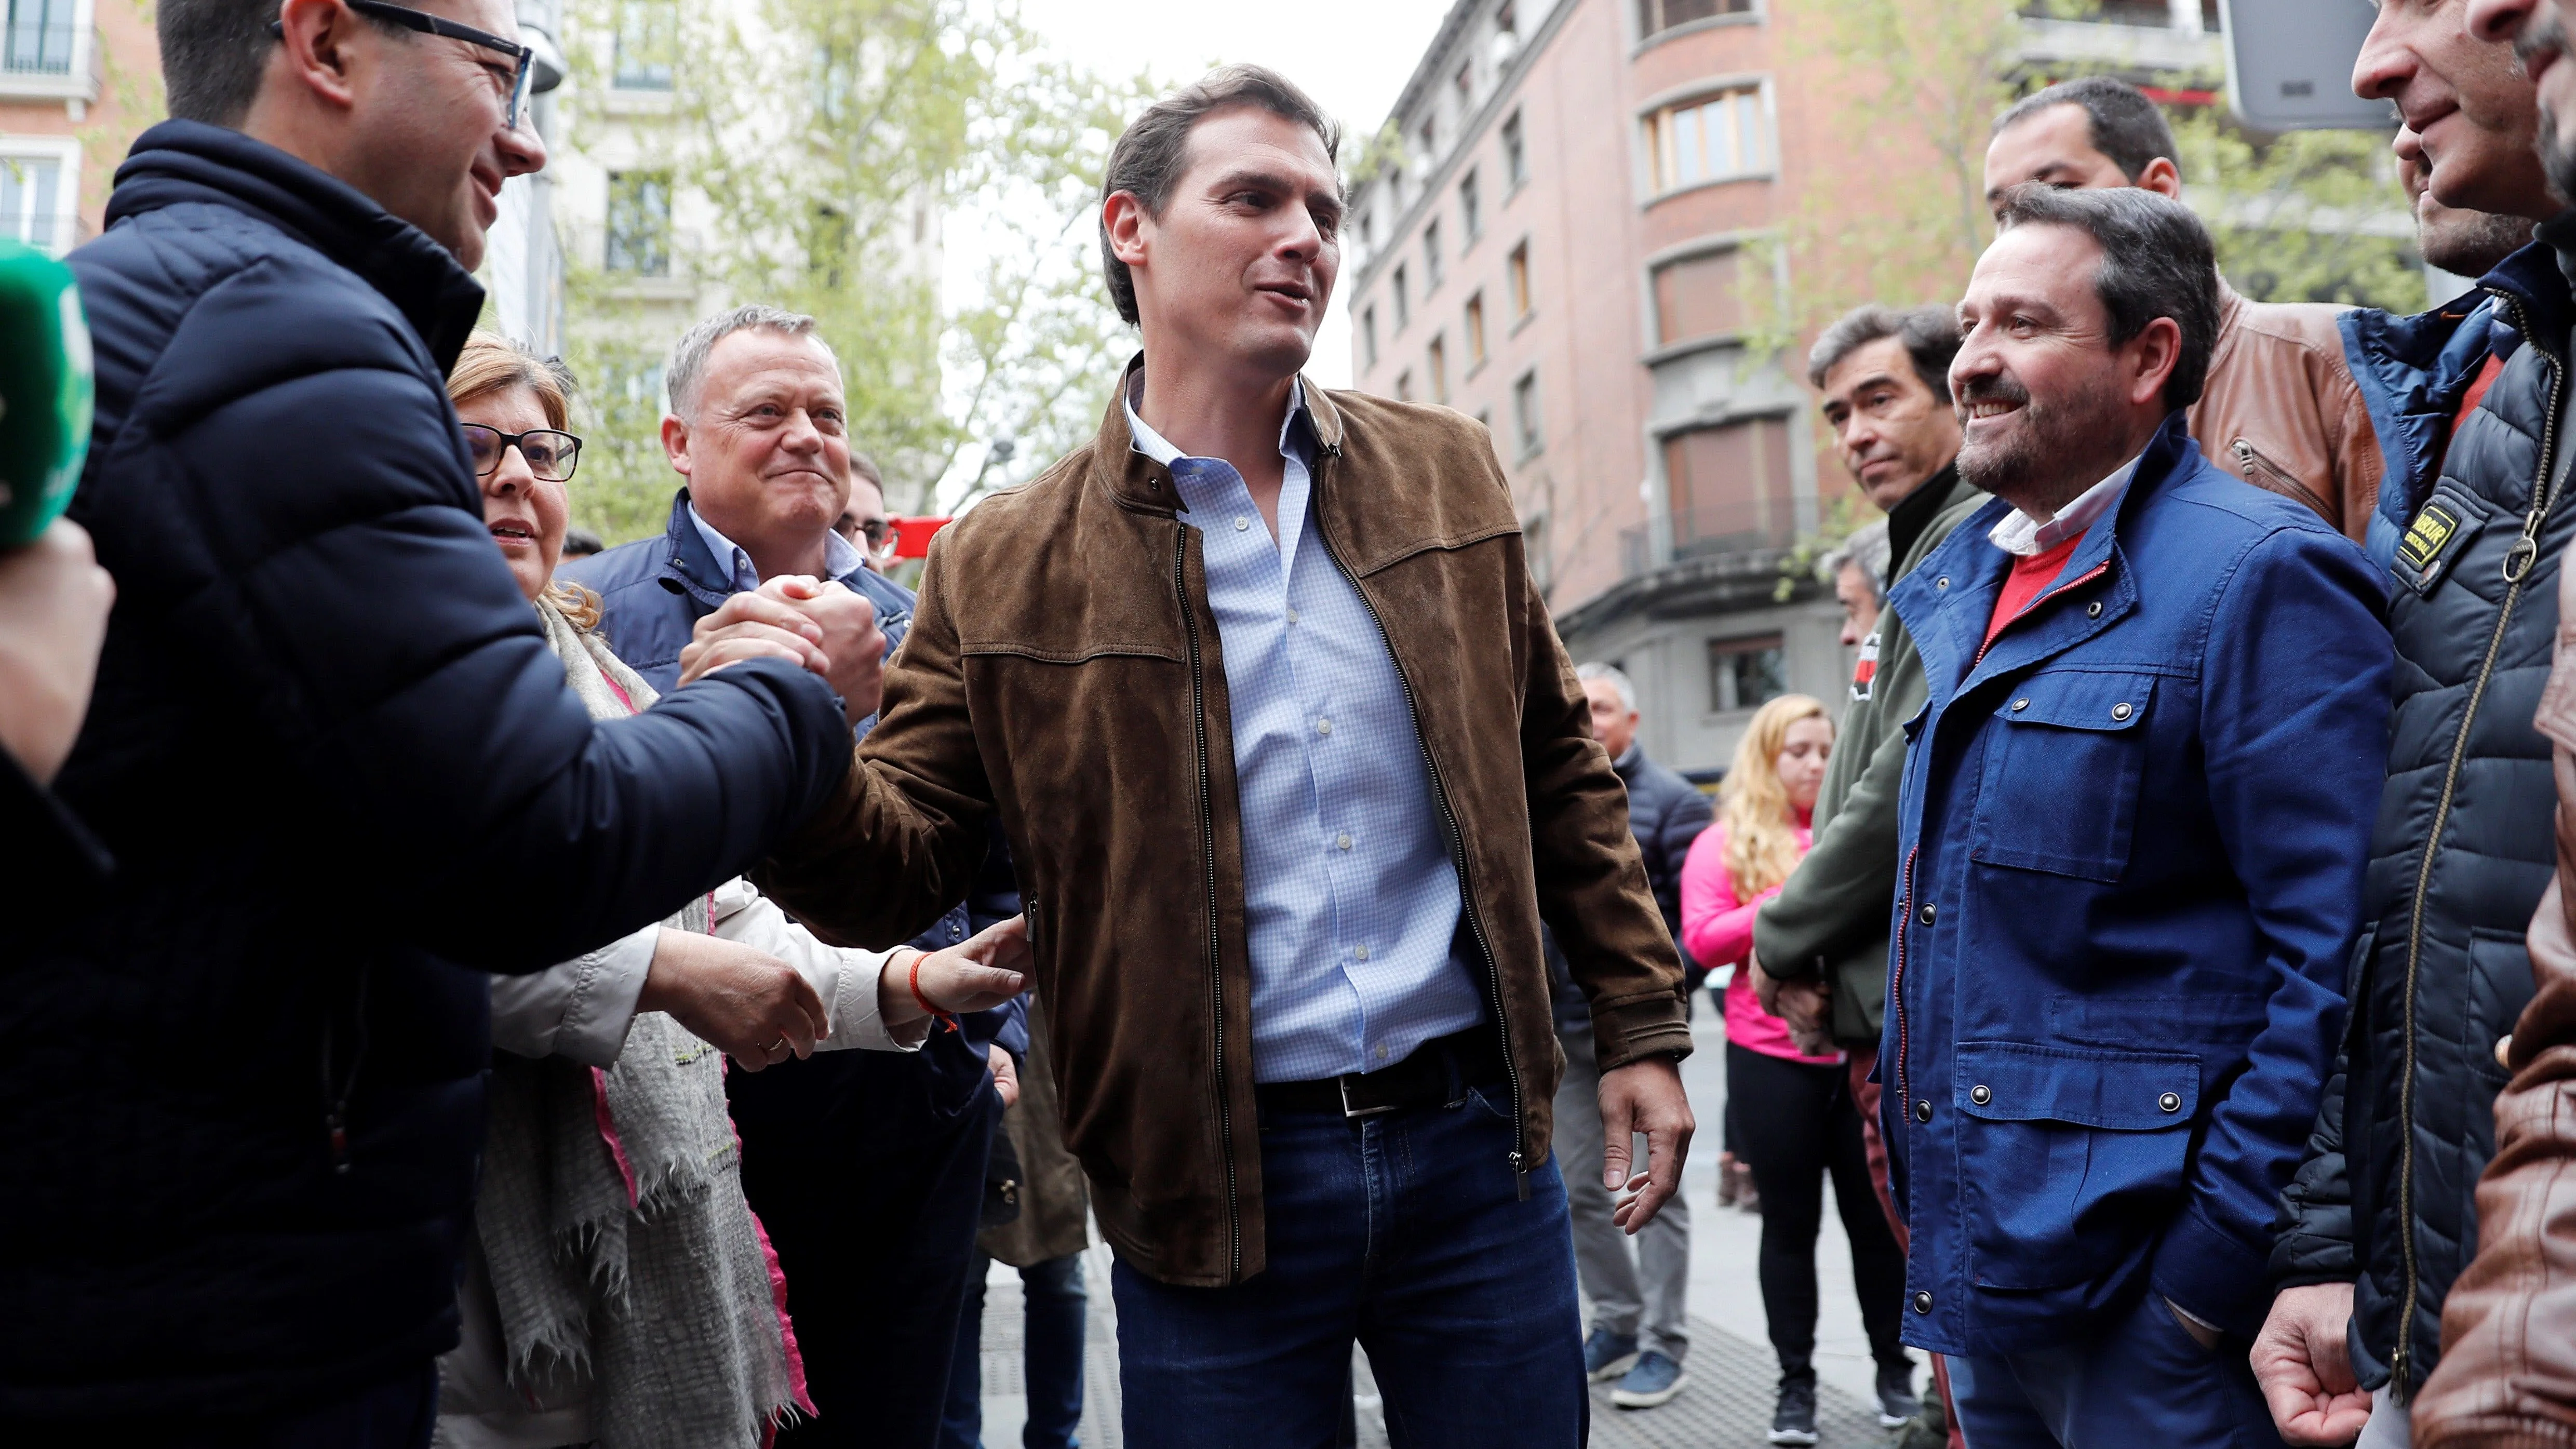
{"points": [[840, 557], [1357, 956]]}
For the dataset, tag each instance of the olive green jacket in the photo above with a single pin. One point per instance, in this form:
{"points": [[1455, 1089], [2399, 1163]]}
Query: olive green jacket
{"points": [[1829, 923]]}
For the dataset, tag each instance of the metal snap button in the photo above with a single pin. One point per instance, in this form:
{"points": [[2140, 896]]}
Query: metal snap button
{"points": [[1927, 913], [1981, 1095], [1923, 1109], [1941, 583], [2021, 704], [2093, 610], [2122, 710], [1922, 1302], [2170, 1102]]}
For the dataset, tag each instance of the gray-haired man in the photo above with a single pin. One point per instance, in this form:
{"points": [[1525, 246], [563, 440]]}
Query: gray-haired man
{"points": [[1639, 1303]]}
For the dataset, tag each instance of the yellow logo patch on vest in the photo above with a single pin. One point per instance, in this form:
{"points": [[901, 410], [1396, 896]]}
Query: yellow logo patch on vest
{"points": [[2426, 537]]}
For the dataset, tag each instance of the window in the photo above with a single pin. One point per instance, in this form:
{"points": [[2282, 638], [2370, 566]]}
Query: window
{"points": [[1729, 486], [1698, 297], [1745, 673], [1403, 301], [1515, 154], [33, 206], [639, 223], [1525, 419], [1507, 21], [648, 40], [1368, 337], [1476, 331], [39, 38], [1431, 263], [1471, 206], [1404, 386], [1714, 138], [1654, 17], [1466, 84], [1438, 360], [1430, 134], [1517, 270]]}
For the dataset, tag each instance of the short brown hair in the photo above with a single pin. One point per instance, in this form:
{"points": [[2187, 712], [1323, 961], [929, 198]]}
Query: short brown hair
{"points": [[491, 363], [1154, 150]]}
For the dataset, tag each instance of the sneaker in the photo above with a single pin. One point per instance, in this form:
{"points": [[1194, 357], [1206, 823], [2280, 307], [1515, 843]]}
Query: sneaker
{"points": [[1794, 1422], [1608, 1355], [1897, 1401], [1651, 1384]]}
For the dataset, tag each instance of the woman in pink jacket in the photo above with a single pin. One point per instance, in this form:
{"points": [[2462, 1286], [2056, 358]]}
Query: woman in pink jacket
{"points": [[1793, 1114]]}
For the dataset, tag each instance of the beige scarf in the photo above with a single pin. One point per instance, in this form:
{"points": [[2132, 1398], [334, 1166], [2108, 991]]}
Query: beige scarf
{"points": [[623, 1255]]}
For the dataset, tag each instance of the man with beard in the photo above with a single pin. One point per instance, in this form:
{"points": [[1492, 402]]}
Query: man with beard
{"points": [[2379, 1219], [2124, 899]]}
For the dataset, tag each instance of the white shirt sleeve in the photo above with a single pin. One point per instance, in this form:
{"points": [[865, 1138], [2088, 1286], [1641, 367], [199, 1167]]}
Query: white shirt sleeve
{"points": [[846, 980], [579, 1009]]}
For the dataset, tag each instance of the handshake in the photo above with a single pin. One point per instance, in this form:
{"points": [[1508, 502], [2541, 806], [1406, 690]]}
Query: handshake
{"points": [[821, 625], [1806, 1006]]}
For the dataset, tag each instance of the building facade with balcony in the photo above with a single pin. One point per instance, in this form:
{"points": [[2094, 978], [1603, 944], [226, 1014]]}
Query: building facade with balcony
{"points": [[1582, 238], [1566, 251], [79, 79]]}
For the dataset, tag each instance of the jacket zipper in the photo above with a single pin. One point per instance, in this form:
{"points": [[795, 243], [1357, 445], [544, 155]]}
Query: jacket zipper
{"points": [[1216, 956], [2247, 455], [2517, 566], [1519, 1155]]}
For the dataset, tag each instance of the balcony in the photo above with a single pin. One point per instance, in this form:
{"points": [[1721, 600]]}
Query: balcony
{"points": [[2127, 35], [1745, 527], [44, 51]]}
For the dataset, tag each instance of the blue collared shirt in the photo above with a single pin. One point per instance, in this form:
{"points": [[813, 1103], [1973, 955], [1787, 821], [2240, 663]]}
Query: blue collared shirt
{"points": [[840, 559], [1352, 901]]}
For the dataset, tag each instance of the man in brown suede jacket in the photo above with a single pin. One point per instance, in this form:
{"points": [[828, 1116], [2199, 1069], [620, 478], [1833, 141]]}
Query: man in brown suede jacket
{"points": [[1292, 765]]}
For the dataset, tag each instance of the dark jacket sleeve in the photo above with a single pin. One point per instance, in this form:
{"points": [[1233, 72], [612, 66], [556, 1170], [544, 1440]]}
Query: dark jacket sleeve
{"points": [[57, 861], [905, 837], [1592, 890], [352, 602], [2315, 1225]]}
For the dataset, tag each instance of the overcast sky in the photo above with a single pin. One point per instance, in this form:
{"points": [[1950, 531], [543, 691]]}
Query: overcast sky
{"points": [[1352, 56]]}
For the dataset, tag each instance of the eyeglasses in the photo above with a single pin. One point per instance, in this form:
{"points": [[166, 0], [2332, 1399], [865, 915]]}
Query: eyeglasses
{"points": [[551, 455], [875, 530], [427, 24]]}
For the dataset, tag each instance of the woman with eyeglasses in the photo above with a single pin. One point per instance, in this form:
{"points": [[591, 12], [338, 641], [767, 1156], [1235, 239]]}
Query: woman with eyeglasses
{"points": [[618, 1289]]}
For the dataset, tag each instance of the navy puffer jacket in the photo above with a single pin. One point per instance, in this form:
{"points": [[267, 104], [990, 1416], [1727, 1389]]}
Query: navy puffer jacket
{"points": [[2463, 845], [337, 766]]}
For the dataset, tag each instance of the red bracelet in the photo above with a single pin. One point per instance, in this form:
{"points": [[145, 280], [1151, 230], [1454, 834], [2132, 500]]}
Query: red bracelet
{"points": [[946, 1018]]}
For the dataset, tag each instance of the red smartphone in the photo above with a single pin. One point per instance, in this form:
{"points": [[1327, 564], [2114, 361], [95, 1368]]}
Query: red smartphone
{"points": [[912, 535]]}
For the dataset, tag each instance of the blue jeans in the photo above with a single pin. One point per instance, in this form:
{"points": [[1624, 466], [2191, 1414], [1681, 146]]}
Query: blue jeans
{"points": [[1051, 1357], [2135, 1380], [1406, 1233]]}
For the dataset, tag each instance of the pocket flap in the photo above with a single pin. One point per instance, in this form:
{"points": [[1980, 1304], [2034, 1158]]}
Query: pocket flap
{"points": [[2123, 1091], [2078, 699]]}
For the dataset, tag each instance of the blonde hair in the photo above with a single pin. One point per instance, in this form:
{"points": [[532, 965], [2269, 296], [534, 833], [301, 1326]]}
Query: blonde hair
{"points": [[1761, 836], [491, 364]]}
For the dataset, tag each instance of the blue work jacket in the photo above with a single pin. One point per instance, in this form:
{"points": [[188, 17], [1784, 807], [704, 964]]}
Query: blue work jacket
{"points": [[2132, 838]]}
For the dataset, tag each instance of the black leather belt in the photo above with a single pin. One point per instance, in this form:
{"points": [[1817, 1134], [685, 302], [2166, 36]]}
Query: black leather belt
{"points": [[1437, 1072]]}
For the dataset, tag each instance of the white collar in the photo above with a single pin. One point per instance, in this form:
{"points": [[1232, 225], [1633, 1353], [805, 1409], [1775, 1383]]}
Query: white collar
{"points": [[840, 558], [2024, 536], [1153, 444]]}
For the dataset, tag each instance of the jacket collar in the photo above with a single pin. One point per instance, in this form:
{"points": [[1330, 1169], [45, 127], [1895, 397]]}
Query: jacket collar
{"points": [[1947, 602], [1914, 513], [690, 567], [177, 162], [1138, 482]]}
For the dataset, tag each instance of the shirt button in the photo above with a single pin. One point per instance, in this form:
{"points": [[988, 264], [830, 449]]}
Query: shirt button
{"points": [[1323, 726], [1241, 523], [1981, 1095], [1292, 615], [1927, 913], [1922, 1302], [1381, 1051], [1342, 841], [1362, 953], [1923, 1109]]}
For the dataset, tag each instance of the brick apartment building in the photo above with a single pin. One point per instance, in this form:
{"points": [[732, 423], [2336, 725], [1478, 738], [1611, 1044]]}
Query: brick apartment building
{"points": [[1570, 251], [79, 79]]}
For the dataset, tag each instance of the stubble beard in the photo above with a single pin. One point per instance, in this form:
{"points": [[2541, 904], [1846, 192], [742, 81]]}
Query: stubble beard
{"points": [[2046, 463]]}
